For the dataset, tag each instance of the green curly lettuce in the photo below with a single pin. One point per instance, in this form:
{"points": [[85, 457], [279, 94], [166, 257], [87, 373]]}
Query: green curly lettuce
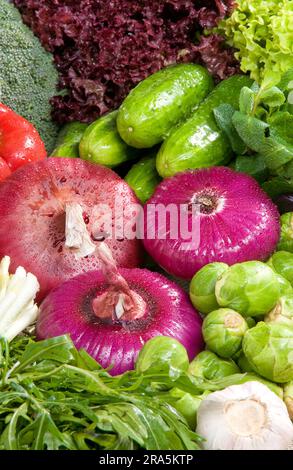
{"points": [[261, 32]]}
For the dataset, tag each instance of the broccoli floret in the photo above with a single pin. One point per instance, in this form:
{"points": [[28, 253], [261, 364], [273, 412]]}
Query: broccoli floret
{"points": [[28, 78]]}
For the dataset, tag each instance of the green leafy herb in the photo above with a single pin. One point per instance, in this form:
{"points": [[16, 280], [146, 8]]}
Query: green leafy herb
{"points": [[278, 185], [253, 165], [251, 130], [273, 97], [53, 397], [223, 115], [246, 100], [263, 125]]}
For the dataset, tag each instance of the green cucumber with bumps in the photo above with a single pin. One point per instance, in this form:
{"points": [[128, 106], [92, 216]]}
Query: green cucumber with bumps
{"points": [[143, 178], [68, 140], [160, 102], [199, 142], [102, 144]]}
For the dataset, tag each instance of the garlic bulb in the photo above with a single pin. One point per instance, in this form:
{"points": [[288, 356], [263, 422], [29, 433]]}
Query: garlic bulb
{"points": [[244, 417], [17, 294]]}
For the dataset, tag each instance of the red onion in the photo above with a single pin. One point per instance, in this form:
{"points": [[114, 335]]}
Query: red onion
{"points": [[238, 221], [38, 200], [164, 309]]}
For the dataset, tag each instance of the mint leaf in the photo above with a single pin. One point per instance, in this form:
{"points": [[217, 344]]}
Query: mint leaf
{"points": [[281, 125], [276, 153], [251, 130], [288, 170], [277, 186], [253, 165], [223, 115], [246, 100], [278, 148], [273, 97]]}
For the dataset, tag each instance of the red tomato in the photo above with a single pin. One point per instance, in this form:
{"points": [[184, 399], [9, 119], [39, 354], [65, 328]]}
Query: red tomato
{"points": [[20, 142]]}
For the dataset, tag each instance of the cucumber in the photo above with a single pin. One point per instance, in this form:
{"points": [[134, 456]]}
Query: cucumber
{"points": [[199, 142], [68, 140], [160, 101], [102, 144], [143, 178]]}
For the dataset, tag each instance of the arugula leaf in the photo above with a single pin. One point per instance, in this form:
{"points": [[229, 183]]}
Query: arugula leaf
{"points": [[251, 130], [223, 115], [59, 398], [59, 349], [9, 438], [103, 441]]}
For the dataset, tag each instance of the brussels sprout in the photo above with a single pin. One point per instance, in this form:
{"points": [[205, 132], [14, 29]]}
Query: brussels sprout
{"points": [[282, 312], [284, 285], [282, 263], [269, 349], [223, 331], [250, 288], [286, 240], [202, 287], [250, 322], [244, 364], [187, 404], [238, 379], [288, 398], [209, 366], [163, 352]]}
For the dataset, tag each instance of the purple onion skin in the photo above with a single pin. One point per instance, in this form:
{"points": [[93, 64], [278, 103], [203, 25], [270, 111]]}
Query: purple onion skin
{"points": [[246, 228], [285, 203], [67, 310]]}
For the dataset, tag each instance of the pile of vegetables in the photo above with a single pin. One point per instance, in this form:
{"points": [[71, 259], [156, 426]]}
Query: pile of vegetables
{"points": [[98, 348], [235, 296], [54, 397]]}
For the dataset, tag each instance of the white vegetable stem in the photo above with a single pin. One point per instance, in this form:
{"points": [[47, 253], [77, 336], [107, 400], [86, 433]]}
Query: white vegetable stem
{"points": [[244, 417], [77, 237], [17, 295], [119, 301]]}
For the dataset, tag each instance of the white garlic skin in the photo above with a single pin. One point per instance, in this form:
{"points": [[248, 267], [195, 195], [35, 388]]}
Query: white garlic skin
{"points": [[244, 417]]}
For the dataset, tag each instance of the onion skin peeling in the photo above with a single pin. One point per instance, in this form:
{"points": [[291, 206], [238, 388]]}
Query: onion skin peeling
{"points": [[166, 309], [238, 221]]}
